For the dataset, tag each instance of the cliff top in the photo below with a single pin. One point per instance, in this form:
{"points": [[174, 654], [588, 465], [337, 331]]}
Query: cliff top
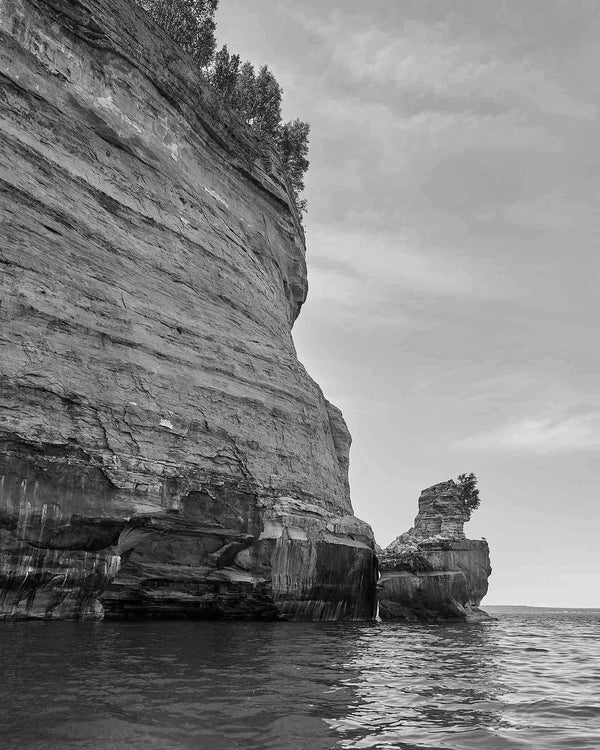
{"points": [[122, 30]]}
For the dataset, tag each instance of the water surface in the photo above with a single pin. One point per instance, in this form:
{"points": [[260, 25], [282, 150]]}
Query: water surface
{"points": [[525, 681]]}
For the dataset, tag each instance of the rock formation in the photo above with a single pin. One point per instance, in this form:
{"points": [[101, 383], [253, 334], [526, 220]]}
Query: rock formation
{"points": [[162, 450], [432, 572]]}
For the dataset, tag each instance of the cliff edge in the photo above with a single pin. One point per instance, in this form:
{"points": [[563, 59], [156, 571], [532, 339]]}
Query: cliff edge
{"points": [[433, 572], [162, 450]]}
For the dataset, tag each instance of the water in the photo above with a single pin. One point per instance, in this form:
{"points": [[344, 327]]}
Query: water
{"points": [[526, 681]]}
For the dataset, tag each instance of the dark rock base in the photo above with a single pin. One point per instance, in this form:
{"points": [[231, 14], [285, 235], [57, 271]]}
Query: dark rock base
{"points": [[225, 552], [437, 580]]}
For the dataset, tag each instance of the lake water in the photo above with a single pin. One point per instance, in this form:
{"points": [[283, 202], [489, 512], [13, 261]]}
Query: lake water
{"points": [[525, 681]]}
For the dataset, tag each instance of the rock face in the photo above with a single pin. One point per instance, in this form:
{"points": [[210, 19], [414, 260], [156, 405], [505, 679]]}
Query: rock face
{"points": [[432, 572], [441, 513], [162, 450]]}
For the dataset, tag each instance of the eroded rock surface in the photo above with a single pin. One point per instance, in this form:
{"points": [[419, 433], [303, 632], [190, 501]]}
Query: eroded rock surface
{"points": [[433, 571], [162, 450]]}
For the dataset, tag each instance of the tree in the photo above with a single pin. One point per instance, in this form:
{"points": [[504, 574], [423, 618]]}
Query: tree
{"points": [[468, 492], [256, 96], [292, 142], [267, 96], [224, 73], [244, 95], [258, 99], [190, 23]]}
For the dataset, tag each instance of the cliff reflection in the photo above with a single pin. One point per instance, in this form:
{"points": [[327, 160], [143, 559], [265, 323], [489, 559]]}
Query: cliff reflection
{"points": [[174, 685]]}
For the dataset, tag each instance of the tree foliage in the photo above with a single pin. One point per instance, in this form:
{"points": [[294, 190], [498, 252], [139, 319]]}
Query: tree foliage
{"points": [[468, 492], [225, 73], [188, 22], [257, 96], [292, 139]]}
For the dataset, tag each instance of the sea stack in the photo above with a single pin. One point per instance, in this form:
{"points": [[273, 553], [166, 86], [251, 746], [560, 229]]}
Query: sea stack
{"points": [[163, 452], [433, 572]]}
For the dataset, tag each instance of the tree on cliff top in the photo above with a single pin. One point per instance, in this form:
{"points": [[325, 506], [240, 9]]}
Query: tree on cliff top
{"points": [[188, 22], [256, 96], [292, 139], [225, 73], [468, 492]]}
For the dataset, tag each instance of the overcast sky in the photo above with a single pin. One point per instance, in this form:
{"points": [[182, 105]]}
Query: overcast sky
{"points": [[453, 234]]}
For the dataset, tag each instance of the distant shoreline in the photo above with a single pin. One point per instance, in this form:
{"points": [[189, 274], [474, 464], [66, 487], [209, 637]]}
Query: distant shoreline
{"points": [[528, 608]]}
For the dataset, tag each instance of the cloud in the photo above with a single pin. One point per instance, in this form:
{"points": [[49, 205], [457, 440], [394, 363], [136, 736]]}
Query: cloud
{"points": [[386, 266], [442, 116], [420, 121], [401, 132], [540, 435], [431, 62]]}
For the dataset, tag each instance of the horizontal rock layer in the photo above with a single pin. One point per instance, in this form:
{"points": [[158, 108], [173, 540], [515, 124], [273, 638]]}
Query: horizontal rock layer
{"points": [[162, 450]]}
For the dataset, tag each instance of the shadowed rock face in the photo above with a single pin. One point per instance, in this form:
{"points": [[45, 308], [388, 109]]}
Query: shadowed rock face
{"points": [[433, 572], [162, 450]]}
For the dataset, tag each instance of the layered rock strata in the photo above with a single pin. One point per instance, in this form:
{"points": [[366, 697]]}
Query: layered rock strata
{"points": [[433, 572], [162, 450]]}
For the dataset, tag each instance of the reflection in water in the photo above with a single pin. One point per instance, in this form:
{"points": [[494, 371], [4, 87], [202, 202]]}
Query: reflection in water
{"points": [[523, 682], [172, 685]]}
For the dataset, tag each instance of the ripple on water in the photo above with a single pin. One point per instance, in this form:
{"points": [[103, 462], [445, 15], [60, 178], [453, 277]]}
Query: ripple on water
{"points": [[526, 681]]}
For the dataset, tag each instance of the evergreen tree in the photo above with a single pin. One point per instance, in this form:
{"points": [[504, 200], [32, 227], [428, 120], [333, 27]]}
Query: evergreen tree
{"points": [[256, 96], [292, 141], [188, 22], [244, 97], [267, 97], [468, 492], [224, 73]]}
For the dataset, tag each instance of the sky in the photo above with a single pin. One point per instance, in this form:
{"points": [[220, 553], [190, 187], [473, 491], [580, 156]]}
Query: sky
{"points": [[452, 249]]}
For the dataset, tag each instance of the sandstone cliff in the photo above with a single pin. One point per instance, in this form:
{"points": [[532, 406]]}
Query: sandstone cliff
{"points": [[433, 572], [162, 450]]}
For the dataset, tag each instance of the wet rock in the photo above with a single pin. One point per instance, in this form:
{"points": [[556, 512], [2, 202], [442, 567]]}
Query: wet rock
{"points": [[433, 572], [162, 450]]}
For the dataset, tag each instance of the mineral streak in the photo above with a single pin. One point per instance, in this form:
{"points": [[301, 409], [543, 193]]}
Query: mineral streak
{"points": [[432, 572], [162, 450]]}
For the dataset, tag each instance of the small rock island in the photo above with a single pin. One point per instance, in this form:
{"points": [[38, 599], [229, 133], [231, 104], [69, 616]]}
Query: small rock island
{"points": [[433, 572]]}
